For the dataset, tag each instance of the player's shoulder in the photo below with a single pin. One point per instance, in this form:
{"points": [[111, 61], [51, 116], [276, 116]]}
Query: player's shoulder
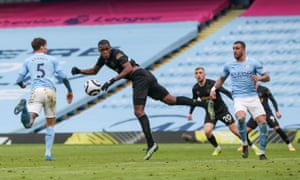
{"points": [[229, 63], [254, 61], [117, 53], [210, 81], [195, 86]]}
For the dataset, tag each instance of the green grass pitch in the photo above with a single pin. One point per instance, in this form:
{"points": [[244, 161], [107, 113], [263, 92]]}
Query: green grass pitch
{"points": [[171, 161]]}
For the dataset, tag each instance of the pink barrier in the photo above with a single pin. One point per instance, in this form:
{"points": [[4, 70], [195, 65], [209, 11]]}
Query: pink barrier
{"points": [[274, 8], [108, 12]]}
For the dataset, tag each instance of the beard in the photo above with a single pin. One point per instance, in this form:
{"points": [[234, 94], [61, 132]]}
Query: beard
{"points": [[238, 56]]}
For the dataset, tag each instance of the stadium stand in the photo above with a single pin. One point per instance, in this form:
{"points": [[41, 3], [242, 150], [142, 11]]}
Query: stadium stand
{"points": [[271, 39], [272, 46], [154, 41], [108, 12], [83, 54]]}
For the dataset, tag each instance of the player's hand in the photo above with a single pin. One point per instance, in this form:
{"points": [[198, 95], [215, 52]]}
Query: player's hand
{"points": [[69, 97], [22, 84], [190, 117], [213, 93], [75, 70], [255, 80], [278, 115], [107, 84]]}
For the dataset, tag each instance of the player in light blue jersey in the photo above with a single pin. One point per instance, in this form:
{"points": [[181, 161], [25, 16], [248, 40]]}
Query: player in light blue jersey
{"points": [[245, 74], [42, 69]]}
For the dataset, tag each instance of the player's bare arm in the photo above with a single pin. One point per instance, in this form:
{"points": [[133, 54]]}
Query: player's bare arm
{"points": [[218, 84], [128, 69], [263, 78], [90, 71]]}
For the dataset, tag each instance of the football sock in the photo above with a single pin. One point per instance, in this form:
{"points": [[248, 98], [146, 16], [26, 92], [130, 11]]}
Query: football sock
{"points": [[144, 121], [182, 100], [283, 135], [25, 117], [49, 140], [212, 140], [242, 130], [249, 141], [262, 136]]}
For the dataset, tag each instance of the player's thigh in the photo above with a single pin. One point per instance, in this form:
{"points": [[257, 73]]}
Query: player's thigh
{"points": [[255, 108], [239, 108], [36, 101], [140, 88], [226, 118], [207, 120], [158, 92], [50, 103]]}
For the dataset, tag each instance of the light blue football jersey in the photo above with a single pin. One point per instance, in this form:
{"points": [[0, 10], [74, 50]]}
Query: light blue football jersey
{"points": [[43, 69], [240, 74]]}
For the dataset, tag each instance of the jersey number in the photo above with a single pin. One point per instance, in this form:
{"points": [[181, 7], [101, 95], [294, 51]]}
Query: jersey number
{"points": [[227, 118], [40, 69]]}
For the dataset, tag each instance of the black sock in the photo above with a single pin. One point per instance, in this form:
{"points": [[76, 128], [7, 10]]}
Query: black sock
{"points": [[283, 135], [182, 100], [213, 141], [144, 121], [249, 141]]}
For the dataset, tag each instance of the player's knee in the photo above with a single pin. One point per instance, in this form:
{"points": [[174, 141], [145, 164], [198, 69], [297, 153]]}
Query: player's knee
{"points": [[208, 134], [139, 113], [170, 100], [208, 131], [241, 119]]}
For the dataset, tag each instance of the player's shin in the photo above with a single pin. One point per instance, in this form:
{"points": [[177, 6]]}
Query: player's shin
{"points": [[25, 118], [263, 136], [283, 135], [182, 100], [144, 121], [242, 130], [49, 140]]}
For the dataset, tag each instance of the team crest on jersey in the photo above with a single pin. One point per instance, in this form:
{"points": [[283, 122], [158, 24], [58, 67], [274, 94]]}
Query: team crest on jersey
{"points": [[247, 66], [119, 55]]}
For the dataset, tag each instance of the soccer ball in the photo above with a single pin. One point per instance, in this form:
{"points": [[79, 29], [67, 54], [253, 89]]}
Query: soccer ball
{"points": [[92, 87]]}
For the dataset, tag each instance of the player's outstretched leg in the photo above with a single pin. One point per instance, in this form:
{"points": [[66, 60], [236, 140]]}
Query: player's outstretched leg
{"points": [[20, 106], [208, 106], [25, 116]]}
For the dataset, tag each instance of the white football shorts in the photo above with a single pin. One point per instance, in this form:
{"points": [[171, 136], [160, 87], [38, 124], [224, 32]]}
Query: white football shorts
{"points": [[249, 104], [43, 98]]}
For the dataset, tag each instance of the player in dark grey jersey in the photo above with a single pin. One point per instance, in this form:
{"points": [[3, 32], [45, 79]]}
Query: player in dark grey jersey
{"points": [[265, 94], [202, 90], [144, 84]]}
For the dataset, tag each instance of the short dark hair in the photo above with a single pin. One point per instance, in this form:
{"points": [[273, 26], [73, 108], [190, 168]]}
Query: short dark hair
{"points": [[37, 43], [199, 67], [102, 42], [241, 43]]}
